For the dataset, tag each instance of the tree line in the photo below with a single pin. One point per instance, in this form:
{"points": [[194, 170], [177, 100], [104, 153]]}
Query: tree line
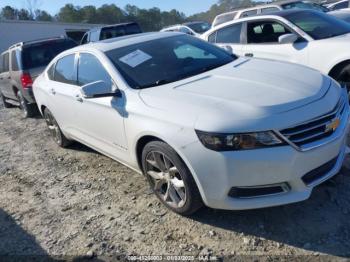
{"points": [[152, 19]]}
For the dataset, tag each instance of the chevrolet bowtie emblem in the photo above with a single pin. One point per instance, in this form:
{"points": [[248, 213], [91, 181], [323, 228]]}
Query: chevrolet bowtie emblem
{"points": [[333, 125]]}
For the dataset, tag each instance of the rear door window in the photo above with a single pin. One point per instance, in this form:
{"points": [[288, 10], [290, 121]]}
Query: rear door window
{"points": [[41, 54], [1, 64], [5, 62], [249, 13], [269, 10], [65, 70], [224, 18], [133, 29], [111, 32], [14, 61], [229, 35]]}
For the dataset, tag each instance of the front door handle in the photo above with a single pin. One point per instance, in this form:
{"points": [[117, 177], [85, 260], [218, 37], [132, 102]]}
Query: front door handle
{"points": [[53, 91], [249, 54]]}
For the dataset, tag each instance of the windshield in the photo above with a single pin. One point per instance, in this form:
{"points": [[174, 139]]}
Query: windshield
{"points": [[319, 25], [41, 54], [305, 5], [166, 60], [200, 28]]}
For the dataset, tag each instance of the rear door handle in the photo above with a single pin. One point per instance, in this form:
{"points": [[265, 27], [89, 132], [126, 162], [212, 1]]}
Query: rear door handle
{"points": [[53, 91], [249, 54]]}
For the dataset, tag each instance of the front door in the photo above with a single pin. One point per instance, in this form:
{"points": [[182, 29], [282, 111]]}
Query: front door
{"points": [[100, 121], [263, 42]]}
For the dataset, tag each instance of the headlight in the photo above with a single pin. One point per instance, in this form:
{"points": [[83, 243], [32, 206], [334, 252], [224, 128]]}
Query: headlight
{"points": [[246, 141]]}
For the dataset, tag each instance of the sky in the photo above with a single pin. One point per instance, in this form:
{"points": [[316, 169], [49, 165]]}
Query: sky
{"points": [[188, 7]]}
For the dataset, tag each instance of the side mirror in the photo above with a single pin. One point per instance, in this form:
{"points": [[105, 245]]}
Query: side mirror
{"points": [[288, 38], [99, 89], [228, 49]]}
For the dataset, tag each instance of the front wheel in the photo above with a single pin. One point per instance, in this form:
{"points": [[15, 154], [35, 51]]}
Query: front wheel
{"points": [[170, 179], [55, 130], [343, 77]]}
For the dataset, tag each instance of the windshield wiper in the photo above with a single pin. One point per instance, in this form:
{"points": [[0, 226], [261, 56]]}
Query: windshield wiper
{"points": [[156, 83]]}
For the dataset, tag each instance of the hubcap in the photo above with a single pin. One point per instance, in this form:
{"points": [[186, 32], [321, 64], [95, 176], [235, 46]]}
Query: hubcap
{"points": [[166, 179], [53, 128]]}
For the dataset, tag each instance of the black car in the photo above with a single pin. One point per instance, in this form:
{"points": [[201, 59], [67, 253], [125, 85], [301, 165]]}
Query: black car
{"points": [[21, 64], [111, 31]]}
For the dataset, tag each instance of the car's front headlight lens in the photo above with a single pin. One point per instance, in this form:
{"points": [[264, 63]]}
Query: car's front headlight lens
{"points": [[244, 141]]}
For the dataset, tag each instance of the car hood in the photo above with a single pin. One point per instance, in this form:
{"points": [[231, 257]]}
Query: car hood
{"points": [[244, 89]]}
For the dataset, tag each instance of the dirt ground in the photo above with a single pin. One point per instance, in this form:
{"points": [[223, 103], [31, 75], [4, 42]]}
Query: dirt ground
{"points": [[76, 202]]}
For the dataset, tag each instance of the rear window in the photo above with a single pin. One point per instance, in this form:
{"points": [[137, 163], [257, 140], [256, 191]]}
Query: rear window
{"points": [[41, 54], [121, 30]]}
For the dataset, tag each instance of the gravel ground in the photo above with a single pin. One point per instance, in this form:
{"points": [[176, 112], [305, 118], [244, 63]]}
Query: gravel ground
{"points": [[76, 202]]}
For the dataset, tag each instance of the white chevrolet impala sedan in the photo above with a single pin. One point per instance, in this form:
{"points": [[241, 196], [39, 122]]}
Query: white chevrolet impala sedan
{"points": [[203, 126]]}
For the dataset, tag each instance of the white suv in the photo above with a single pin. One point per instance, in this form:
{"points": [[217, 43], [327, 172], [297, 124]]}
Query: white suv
{"points": [[202, 125], [305, 37]]}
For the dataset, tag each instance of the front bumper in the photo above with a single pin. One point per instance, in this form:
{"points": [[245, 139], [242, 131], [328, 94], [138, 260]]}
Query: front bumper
{"points": [[216, 173]]}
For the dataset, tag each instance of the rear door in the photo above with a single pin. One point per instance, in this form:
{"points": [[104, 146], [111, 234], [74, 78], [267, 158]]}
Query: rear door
{"points": [[261, 38], [230, 35], [5, 78], [61, 92]]}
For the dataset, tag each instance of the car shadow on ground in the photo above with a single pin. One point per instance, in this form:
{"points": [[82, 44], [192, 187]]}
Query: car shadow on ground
{"points": [[17, 244], [318, 224], [76, 146]]}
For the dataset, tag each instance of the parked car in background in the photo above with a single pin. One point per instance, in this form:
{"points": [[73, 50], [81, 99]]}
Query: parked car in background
{"points": [[267, 8], [111, 31], [21, 64], [305, 37], [338, 5], [343, 14], [202, 125], [190, 28]]}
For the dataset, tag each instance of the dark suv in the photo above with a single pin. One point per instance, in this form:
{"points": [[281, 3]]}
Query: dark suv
{"points": [[21, 64], [111, 31]]}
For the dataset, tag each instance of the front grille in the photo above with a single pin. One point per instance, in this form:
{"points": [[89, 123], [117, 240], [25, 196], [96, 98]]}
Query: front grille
{"points": [[315, 129], [319, 172], [250, 192]]}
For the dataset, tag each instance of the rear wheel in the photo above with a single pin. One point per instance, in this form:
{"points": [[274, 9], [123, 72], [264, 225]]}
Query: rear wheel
{"points": [[3, 99], [28, 110], [55, 130], [170, 179]]}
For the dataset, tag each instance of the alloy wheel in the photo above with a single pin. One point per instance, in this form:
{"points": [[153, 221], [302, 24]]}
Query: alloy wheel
{"points": [[165, 179]]}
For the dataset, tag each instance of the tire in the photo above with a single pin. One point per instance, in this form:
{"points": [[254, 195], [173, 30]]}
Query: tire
{"points": [[343, 76], [28, 110], [55, 131], [170, 179], [3, 99]]}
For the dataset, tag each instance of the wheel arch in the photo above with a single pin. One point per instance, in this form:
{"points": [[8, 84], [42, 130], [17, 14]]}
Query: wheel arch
{"points": [[146, 138], [336, 68]]}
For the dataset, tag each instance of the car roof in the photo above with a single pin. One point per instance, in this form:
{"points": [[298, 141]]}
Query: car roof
{"points": [[118, 42]]}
